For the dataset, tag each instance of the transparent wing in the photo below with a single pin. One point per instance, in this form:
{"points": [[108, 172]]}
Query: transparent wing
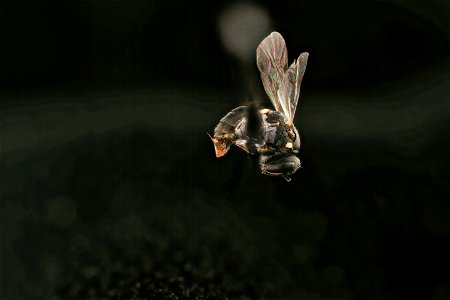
{"points": [[272, 61], [282, 84], [290, 89]]}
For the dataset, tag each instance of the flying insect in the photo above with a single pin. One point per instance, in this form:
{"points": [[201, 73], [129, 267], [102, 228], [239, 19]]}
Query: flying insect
{"points": [[271, 134]]}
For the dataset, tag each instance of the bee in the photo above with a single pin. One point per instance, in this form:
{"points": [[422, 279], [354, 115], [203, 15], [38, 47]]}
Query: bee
{"points": [[271, 134]]}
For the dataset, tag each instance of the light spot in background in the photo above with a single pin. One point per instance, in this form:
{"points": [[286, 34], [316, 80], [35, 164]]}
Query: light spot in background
{"points": [[242, 27], [61, 211]]}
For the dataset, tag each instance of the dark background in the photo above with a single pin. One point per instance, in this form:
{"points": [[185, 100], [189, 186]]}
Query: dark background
{"points": [[110, 187]]}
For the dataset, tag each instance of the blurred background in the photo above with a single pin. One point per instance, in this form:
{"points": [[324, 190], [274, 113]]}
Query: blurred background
{"points": [[109, 184]]}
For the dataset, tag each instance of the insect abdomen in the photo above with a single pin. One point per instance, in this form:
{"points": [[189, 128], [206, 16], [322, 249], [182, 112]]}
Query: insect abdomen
{"points": [[227, 125], [225, 133]]}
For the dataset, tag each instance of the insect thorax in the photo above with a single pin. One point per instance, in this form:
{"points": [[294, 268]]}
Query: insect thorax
{"points": [[279, 135]]}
